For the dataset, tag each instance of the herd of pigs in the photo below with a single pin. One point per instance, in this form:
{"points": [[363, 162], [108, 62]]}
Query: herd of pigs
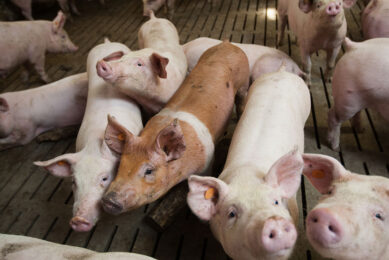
{"points": [[188, 93]]}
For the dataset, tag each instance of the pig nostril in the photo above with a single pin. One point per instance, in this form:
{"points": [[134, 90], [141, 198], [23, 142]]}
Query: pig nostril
{"points": [[272, 235], [287, 229], [331, 228], [315, 220]]}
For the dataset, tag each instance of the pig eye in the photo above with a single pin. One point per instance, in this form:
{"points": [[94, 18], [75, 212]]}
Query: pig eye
{"points": [[379, 216], [105, 178], [139, 64], [276, 202], [148, 172], [232, 214], [63, 37]]}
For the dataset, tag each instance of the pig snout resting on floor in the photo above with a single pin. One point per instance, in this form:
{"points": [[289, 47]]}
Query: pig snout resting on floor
{"points": [[93, 166], [153, 74], [251, 207], [375, 19], [26, 6], [355, 87], [262, 59], [318, 25], [28, 113], [22, 42], [15, 247], [350, 220], [178, 141]]}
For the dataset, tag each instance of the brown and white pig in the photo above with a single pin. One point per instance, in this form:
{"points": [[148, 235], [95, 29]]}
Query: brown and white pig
{"points": [[375, 19], [93, 166], [22, 42], [178, 141], [151, 75], [26, 6], [28, 113], [318, 25], [350, 221], [262, 59], [251, 207], [355, 88], [15, 247]]}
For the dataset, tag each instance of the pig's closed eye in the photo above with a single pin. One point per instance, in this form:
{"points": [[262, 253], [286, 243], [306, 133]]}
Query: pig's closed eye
{"points": [[379, 216]]}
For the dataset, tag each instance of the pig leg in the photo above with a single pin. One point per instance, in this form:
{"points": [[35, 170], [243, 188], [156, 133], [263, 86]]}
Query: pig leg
{"points": [[356, 122], [240, 99], [27, 13], [307, 65], [331, 57], [39, 65], [281, 29]]}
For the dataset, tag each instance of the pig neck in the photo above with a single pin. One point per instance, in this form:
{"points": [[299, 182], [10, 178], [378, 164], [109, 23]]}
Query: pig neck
{"points": [[271, 126]]}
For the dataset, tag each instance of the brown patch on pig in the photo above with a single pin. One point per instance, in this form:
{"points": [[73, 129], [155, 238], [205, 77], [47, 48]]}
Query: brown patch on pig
{"points": [[13, 248]]}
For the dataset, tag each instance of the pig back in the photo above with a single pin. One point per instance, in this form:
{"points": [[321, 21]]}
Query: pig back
{"points": [[272, 123], [209, 90]]}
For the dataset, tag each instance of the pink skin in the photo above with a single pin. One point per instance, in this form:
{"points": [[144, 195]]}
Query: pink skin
{"points": [[28, 113], [350, 220], [23, 42], [318, 25], [355, 88], [25, 6], [375, 19], [262, 59], [151, 75], [278, 234]]}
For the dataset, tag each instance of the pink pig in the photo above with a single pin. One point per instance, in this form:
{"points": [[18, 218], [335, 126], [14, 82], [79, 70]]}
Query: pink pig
{"points": [[153, 74], [350, 221], [26, 6], [317, 24], [28, 113], [22, 42], [262, 59], [355, 88], [375, 19]]}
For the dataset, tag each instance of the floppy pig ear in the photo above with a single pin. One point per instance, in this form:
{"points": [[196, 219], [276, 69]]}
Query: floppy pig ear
{"points": [[4, 107], [171, 141], [306, 5], [59, 21], [204, 194], [116, 135], [286, 173], [348, 3], [114, 56], [158, 64], [59, 166], [322, 170]]}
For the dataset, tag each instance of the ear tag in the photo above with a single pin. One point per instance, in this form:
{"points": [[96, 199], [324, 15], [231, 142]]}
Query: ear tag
{"points": [[318, 174], [121, 137], [209, 194], [56, 23], [61, 163]]}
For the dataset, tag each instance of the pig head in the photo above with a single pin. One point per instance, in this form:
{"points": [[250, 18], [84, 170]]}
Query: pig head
{"points": [[350, 220], [249, 214]]}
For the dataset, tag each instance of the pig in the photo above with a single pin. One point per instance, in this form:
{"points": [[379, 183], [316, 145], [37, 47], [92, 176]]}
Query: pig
{"points": [[251, 207], [26, 114], [26, 6], [22, 42], [317, 24], [350, 220], [179, 140], [14, 247], [375, 19], [150, 75], [92, 166], [262, 59], [355, 88]]}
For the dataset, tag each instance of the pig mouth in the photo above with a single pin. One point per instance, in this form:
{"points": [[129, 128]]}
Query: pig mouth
{"points": [[112, 207]]}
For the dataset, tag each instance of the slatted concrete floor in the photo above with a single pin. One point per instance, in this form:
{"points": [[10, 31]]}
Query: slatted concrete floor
{"points": [[36, 204]]}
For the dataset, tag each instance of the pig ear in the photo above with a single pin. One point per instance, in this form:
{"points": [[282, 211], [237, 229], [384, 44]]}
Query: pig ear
{"points": [[116, 135], [59, 21], [348, 3], [322, 170], [158, 64], [285, 173], [204, 194], [114, 56], [170, 141], [59, 166], [4, 107], [305, 5], [106, 40]]}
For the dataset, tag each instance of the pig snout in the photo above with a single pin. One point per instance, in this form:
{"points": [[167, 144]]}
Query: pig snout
{"points": [[80, 224], [73, 48], [111, 205], [278, 234], [104, 70], [333, 8], [323, 227]]}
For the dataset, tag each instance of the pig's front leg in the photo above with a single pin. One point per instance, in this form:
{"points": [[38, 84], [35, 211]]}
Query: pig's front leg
{"points": [[333, 130], [307, 64], [281, 29], [331, 57], [39, 65]]}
